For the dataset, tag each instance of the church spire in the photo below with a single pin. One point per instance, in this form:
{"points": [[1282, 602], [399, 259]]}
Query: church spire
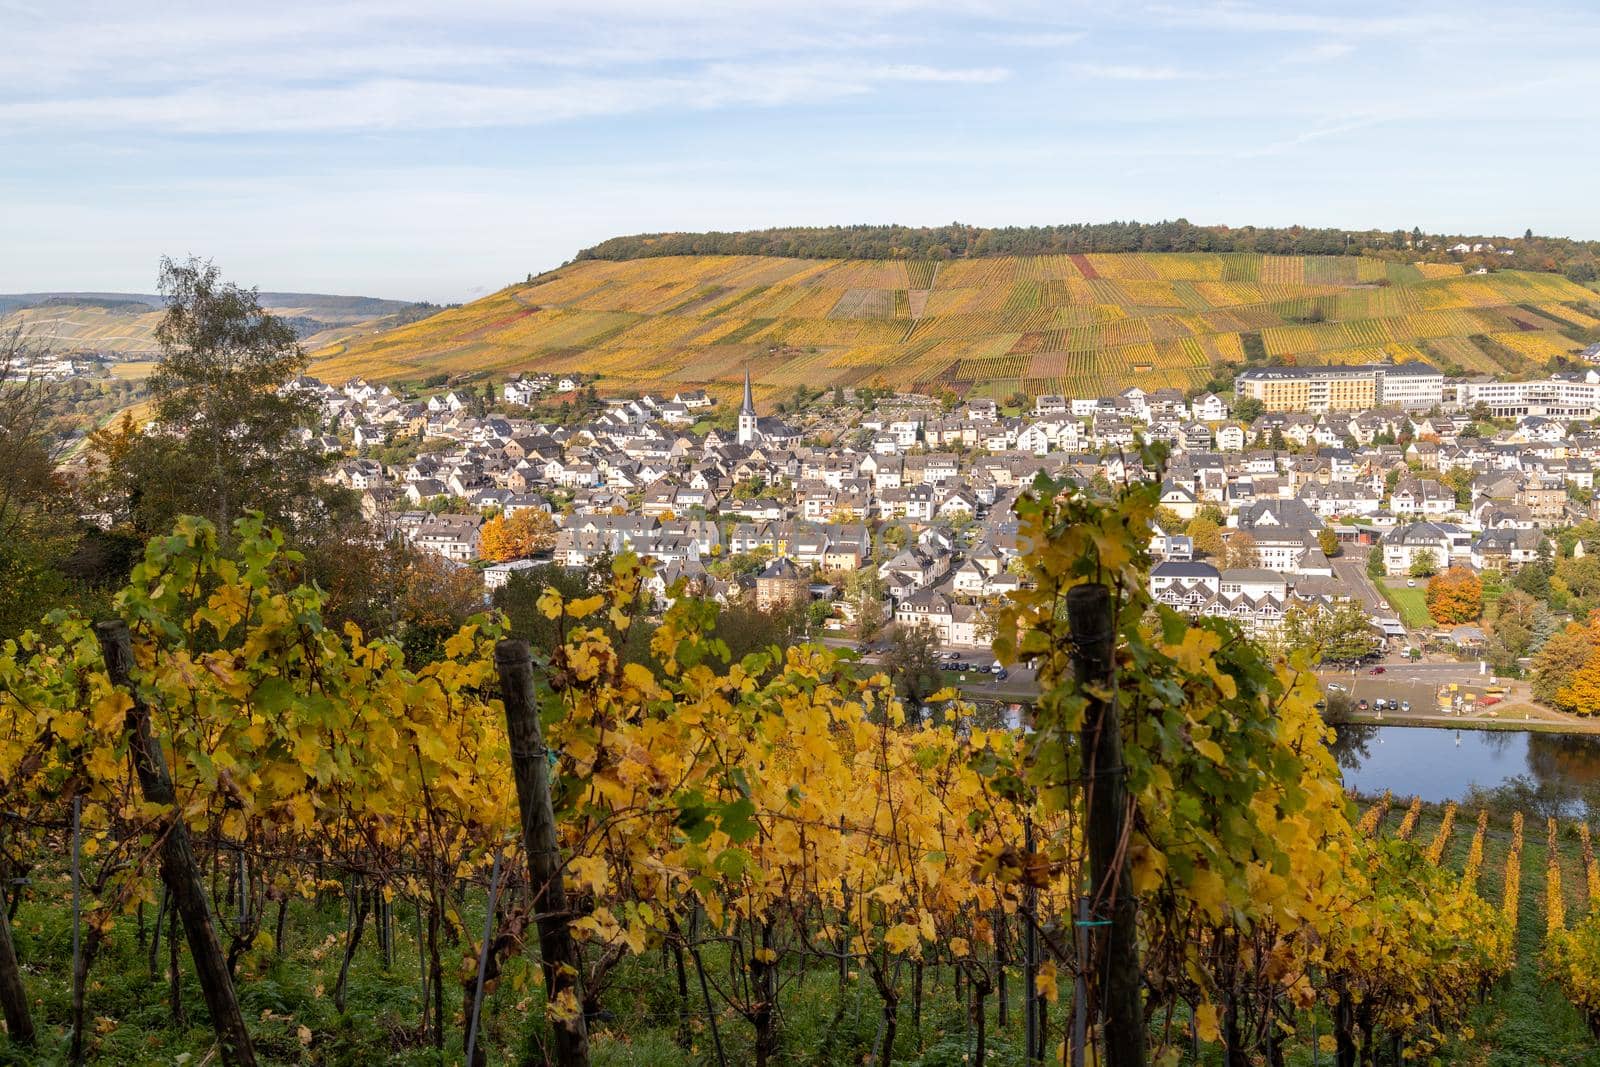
{"points": [[749, 425]]}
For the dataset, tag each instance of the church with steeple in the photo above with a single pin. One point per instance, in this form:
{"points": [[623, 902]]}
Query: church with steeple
{"points": [[755, 430], [749, 425]]}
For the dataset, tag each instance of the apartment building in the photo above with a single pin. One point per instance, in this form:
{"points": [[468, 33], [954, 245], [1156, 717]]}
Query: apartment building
{"points": [[1357, 387], [1552, 398]]}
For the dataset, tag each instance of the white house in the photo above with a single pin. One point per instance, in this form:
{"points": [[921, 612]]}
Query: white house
{"points": [[1403, 544], [1209, 408], [498, 574]]}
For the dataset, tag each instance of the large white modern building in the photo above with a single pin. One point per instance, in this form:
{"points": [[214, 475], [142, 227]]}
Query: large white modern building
{"points": [[1414, 386], [1355, 387], [1553, 398]]}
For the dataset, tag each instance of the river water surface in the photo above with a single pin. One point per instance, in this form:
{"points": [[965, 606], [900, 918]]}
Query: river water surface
{"points": [[1443, 764]]}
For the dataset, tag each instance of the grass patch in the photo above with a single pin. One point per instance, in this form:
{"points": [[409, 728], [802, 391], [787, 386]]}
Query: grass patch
{"points": [[1411, 603]]}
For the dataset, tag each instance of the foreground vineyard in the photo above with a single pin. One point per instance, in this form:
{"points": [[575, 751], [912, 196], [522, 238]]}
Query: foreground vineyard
{"points": [[1079, 324], [736, 840]]}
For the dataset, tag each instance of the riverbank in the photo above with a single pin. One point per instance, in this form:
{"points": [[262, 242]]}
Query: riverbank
{"points": [[1526, 718], [1511, 704]]}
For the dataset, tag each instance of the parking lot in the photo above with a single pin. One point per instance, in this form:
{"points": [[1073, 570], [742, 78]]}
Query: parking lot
{"points": [[962, 668], [1423, 694]]}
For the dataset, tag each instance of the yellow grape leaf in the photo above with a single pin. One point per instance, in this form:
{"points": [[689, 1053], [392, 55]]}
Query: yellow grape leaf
{"points": [[305, 812], [110, 710], [1209, 749], [1208, 891], [959, 947], [1149, 867], [549, 604], [103, 765], [589, 872], [1044, 983], [634, 936], [1205, 1023], [1195, 651], [600, 925], [563, 1009], [1225, 682], [1113, 550], [69, 727], [461, 644], [903, 938], [587, 606], [639, 676]]}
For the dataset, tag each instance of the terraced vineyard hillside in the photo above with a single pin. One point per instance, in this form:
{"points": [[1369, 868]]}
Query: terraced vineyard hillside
{"points": [[124, 325], [1075, 324]]}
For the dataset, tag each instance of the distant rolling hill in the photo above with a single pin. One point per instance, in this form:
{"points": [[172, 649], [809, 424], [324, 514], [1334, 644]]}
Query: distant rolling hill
{"points": [[1078, 324], [122, 325]]}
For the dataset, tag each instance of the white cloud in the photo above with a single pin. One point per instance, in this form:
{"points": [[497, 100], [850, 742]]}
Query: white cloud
{"points": [[1252, 18], [1323, 52], [1036, 38], [411, 104], [1128, 72]]}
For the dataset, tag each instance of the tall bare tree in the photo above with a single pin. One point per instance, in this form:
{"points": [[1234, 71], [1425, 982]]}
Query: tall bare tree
{"points": [[36, 516], [27, 476], [227, 436]]}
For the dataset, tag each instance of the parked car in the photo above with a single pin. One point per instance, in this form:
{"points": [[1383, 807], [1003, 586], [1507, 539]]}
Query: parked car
{"points": [[1335, 687], [1361, 705], [1377, 670], [1380, 704], [1405, 705], [1001, 674]]}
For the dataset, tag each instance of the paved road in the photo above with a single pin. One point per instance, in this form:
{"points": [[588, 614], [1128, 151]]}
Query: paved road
{"points": [[1350, 568], [1435, 672], [1020, 684]]}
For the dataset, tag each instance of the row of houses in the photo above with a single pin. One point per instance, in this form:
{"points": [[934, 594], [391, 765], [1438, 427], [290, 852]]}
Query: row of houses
{"points": [[633, 477]]}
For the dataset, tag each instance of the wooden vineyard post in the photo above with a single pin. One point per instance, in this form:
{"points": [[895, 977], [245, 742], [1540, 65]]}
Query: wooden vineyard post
{"points": [[76, 1054], [178, 869], [483, 961], [1030, 962], [13, 997], [558, 952], [1089, 614]]}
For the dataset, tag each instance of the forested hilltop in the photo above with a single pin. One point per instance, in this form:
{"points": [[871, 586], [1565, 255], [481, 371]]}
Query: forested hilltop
{"points": [[957, 241]]}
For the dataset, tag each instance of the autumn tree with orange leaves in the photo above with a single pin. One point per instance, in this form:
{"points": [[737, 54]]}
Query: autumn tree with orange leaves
{"points": [[1455, 596], [529, 532]]}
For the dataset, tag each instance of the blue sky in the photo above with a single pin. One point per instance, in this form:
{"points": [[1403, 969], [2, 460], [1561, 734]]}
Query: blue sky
{"points": [[436, 150]]}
